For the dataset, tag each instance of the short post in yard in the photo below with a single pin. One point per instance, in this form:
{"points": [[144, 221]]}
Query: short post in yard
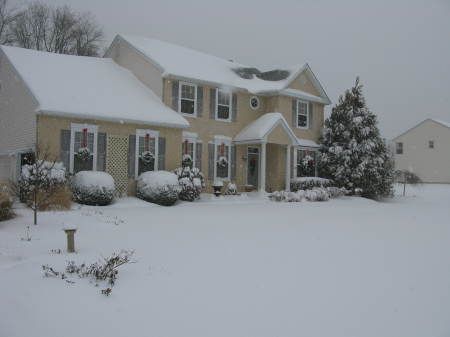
{"points": [[70, 232]]}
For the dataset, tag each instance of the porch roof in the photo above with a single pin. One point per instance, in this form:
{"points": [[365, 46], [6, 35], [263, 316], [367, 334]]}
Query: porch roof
{"points": [[258, 130]]}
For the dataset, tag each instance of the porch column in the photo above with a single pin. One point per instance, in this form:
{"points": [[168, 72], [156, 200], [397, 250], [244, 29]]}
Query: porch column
{"points": [[262, 187], [288, 168]]}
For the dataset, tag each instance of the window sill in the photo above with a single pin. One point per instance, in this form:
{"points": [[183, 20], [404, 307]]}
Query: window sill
{"points": [[188, 115], [303, 128], [223, 120]]}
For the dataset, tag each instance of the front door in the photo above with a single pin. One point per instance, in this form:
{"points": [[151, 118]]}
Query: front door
{"points": [[252, 166]]}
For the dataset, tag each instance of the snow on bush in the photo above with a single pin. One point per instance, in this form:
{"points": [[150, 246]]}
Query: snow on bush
{"points": [[191, 181], [159, 187], [314, 194], [6, 202], [93, 188], [307, 183], [231, 189], [47, 172]]}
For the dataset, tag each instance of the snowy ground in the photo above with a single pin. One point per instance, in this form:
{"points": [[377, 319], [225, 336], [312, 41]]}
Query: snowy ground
{"points": [[237, 267]]}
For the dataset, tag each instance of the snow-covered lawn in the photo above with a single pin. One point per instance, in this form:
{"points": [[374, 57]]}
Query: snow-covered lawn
{"points": [[237, 267]]}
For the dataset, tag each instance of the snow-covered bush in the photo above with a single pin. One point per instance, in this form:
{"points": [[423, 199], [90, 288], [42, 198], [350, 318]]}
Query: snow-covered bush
{"points": [[43, 186], [317, 194], [191, 181], [231, 189], [6, 202], [159, 187], [307, 183], [93, 188], [314, 194]]}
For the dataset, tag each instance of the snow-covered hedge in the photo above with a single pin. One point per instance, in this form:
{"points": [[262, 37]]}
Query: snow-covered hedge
{"points": [[314, 194], [6, 202], [307, 183], [191, 181], [159, 187], [93, 188]]}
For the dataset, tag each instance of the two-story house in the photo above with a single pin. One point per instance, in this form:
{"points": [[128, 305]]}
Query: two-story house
{"points": [[254, 128]]}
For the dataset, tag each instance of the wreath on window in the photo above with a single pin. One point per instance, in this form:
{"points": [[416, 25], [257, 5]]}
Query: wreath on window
{"points": [[147, 157], [83, 153], [223, 161], [187, 160]]}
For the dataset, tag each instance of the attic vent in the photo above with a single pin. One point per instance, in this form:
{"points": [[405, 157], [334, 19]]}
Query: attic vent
{"points": [[272, 75]]}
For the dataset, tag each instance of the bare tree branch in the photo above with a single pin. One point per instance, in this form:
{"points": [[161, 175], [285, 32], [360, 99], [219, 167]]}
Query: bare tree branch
{"points": [[8, 15]]}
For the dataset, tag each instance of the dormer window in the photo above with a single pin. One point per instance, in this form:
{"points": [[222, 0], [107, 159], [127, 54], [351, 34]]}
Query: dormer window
{"points": [[188, 99], [223, 106]]}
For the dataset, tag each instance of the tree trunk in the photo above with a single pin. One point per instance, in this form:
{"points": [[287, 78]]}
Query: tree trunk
{"points": [[35, 207], [404, 188]]}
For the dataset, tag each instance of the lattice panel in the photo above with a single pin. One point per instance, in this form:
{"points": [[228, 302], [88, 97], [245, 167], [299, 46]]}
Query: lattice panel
{"points": [[116, 161]]}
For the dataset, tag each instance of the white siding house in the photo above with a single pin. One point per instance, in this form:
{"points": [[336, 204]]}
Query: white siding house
{"points": [[425, 150]]}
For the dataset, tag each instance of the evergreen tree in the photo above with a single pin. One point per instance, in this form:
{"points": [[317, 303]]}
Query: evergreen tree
{"points": [[352, 153]]}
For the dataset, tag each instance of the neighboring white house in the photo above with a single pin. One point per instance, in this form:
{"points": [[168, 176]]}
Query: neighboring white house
{"points": [[425, 151]]}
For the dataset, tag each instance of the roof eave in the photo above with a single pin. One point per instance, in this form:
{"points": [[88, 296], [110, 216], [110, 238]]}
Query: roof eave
{"points": [[63, 114]]}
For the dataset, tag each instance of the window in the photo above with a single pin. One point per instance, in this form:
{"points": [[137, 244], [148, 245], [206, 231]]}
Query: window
{"points": [[306, 163], [188, 98], [146, 151], [399, 148], [222, 158], [188, 150], [83, 148], [431, 144], [223, 106], [302, 115]]}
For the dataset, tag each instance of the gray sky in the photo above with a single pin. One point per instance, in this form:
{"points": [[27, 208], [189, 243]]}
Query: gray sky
{"points": [[399, 48]]}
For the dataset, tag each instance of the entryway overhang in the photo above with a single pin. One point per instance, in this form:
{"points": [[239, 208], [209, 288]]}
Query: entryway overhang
{"points": [[269, 128]]}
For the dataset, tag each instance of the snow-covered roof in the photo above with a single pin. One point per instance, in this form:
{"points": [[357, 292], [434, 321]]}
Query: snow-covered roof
{"points": [[187, 64], [89, 87], [307, 143], [258, 130], [447, 124]]}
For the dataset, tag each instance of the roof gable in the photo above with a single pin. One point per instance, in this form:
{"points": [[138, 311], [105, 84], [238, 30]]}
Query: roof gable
{"points": [[435, 121]]}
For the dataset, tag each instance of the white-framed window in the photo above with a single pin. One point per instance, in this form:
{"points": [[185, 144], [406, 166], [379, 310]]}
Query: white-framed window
{"points": [[222, 158], [83, 147], [188, 146], [399, 148], [146, 151], [223, 105], [431, 144], [302, 114], [187, 97]]}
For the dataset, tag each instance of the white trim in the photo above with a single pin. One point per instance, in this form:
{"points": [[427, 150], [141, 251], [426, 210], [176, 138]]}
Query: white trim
{"points": [[230, 111], [76, 127], [140, 133], [297, 113], [262, 187], [181, 83], [187, 134]]}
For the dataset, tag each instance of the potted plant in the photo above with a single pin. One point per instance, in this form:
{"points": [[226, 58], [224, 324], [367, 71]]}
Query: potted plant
{"points": [[217, 187]]}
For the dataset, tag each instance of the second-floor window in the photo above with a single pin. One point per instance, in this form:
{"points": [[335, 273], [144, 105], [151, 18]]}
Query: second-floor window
{"points": [[223, 106], [188, 98], [302, 115], [399, 148]]}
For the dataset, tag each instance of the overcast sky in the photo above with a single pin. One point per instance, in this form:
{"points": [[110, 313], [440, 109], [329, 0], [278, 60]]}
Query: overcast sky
{"points": [[399, 48]]}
